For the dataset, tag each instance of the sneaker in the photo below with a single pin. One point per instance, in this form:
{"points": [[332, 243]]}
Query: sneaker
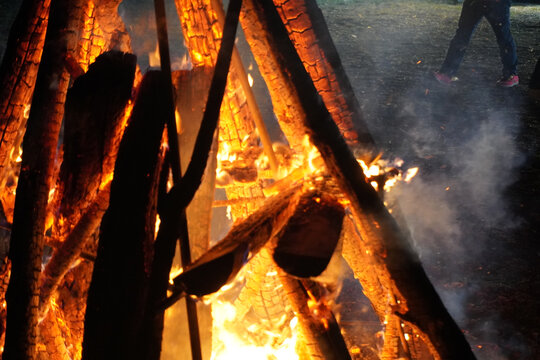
{"points": [[444, 79], [509, 81]]}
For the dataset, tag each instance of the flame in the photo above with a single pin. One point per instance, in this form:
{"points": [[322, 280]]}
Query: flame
{"points": [[410, 173], [237, 337], [250, 80], [26, 111], [231, 342], [156, 226], [318, 309], [153, 58], [19, 157]]}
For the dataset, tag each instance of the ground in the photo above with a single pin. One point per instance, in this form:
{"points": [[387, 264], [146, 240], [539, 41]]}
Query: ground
{"points": [[473, 210]]}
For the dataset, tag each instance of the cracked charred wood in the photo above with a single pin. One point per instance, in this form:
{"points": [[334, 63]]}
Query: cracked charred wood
{"points": [[37, 167], [306, 243], [18, 74], [320, 330], [418, 302], [239, 69], [117, 294]]}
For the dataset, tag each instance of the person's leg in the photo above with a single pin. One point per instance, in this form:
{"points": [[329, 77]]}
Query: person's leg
{"points": [[471, 13], [498, 16]]}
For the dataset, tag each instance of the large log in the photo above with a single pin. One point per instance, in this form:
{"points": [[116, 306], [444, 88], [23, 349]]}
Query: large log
{"points": [[193, 86], [94, 122], [18, 74], [309, 33], [117, 295], [417, 301], [39, 149]]}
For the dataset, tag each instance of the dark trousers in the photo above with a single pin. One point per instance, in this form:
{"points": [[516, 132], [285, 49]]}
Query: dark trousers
{"points": [[497, 13]]}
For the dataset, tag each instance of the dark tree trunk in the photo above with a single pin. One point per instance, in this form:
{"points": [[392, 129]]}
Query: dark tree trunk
{"points": [[117, 294], [39, 151]]}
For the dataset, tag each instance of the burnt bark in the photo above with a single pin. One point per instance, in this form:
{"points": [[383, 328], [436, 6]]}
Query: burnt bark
{"points": [[18, 74], [419, 304], [39, 146], [117, 294]]}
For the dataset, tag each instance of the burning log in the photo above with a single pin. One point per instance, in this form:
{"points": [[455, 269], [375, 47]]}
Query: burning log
{"points": [[37, 166], [418, 302], [18, 75], [117, 295], [322, 334], [309, 33], [94, 123], [282, 217], [320, 58], [223, 261], [69, 250]]}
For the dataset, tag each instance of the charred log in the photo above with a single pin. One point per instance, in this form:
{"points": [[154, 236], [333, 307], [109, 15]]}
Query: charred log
{"points": [[418, 302], [40, 142], [306, 244], [94, 121], [117, 294]]}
